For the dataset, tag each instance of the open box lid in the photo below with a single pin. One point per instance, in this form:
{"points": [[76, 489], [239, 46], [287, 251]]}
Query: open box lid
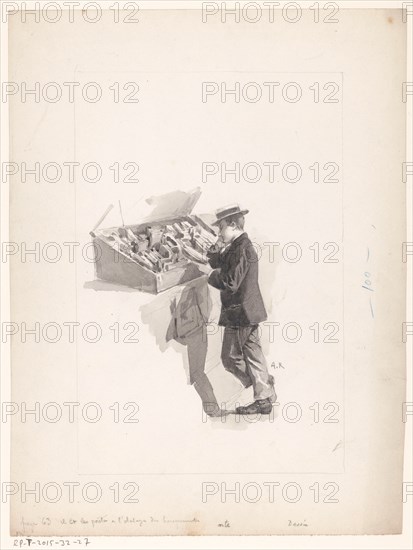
{"points": [[167, 206], [172, 205]]}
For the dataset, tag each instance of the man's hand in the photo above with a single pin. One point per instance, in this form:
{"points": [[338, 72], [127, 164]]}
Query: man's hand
{"points": [[219, 245], [205, 268]]}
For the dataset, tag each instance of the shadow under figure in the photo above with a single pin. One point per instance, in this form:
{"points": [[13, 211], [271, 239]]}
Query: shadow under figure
{"points": [[188, 326]]}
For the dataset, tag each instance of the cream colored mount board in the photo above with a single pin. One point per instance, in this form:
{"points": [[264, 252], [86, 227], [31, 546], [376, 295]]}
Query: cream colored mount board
{"points": [[230, 367]]}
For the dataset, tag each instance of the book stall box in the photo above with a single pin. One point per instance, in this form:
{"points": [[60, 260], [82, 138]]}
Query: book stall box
{"points": [[159, 253]]}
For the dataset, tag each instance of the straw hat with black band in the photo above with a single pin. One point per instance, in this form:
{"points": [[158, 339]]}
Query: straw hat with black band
{"points": [[227, 211]]}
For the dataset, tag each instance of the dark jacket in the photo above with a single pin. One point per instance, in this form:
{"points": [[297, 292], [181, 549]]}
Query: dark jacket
{"points": [[237, 279]]}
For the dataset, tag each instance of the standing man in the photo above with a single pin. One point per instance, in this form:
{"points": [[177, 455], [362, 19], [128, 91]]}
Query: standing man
{"points": [[235, 274]]}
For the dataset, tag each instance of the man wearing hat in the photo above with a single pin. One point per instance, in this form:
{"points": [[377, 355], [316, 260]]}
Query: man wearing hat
{"points": [[235, 274]]}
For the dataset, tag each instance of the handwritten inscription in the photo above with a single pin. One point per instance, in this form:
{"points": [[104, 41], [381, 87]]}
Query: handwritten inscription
{"points": [[51, 543], [225, 524], [367, 284], [297, 523], [29, 527]]}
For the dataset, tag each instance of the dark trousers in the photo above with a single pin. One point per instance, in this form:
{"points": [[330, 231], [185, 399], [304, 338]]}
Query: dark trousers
{"points": [[242, 356]]}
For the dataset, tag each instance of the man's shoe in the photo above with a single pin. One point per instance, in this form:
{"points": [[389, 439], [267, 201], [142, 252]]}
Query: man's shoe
{"points": [[262, 406], [271, 382]]}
